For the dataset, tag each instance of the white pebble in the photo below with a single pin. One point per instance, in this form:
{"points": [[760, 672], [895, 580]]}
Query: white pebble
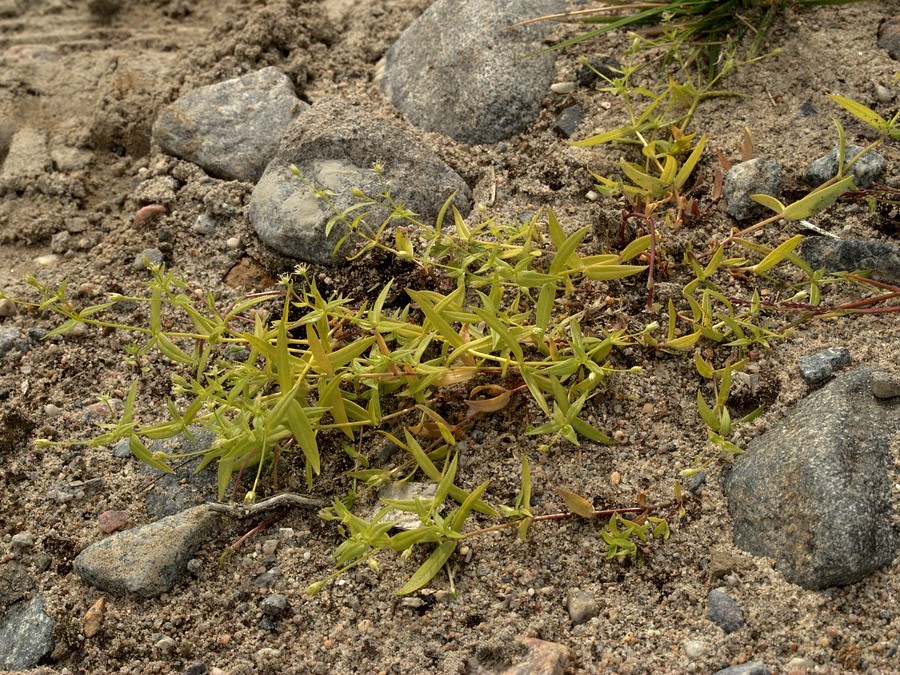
{"points": [[883, 94], [694, 649], [562, 87], [233, 243], [46, 260], [51, 410], [592, 196]]}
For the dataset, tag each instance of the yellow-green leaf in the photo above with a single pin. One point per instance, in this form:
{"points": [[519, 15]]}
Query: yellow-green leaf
{"points": [[769, 202], [576, 503], [429, 568], [609, 272], [777, 255], [690, 163], [861, 112], [683, 342], [818, 200]]}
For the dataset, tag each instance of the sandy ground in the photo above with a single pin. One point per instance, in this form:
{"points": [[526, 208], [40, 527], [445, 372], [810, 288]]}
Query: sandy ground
{"points": [[89, 84]]}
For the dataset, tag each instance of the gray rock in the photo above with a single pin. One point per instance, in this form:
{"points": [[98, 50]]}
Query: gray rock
{"points": [[866, 170], [813, 491], [230, 129], [589, 74], [889, 37], [568, 120], [335, 146], [15, 583], [26, 635], [151, 256], [818, 367], [848, 255], [174, 492], [11, 338], [23, 540], [885, 384], [748, 668], [122, 449], [274, 605], [459, 68], [268, 578], [150, 559], [723, 611], [582, 606], [755, 176]]}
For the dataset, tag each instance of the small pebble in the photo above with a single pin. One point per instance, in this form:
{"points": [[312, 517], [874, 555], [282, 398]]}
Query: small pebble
{"points": [[267, 656], [233, 243], [148, 255], [268, 578], [166, 644], [582, 606], [204, 224], [883, 94], [885, 384], [23, 540], [818, 367], [694, 649], [7, 307], [92, 621], [113, 521], [47, 260], [51, 410], [274, 605], [269, 546], [562, 87], [723, 611]]}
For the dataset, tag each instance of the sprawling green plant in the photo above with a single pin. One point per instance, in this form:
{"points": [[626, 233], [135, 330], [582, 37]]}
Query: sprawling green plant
{"points": [[292, 371]]}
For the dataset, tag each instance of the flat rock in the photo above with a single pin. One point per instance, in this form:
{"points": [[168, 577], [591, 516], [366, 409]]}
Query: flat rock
{"points": [[866, 170], [754, 176], [813, 491], [26, 635], [175, 492], [459, 68], [150, 559], [230, 129], [335, 146], [748, 668], [848, 255]]}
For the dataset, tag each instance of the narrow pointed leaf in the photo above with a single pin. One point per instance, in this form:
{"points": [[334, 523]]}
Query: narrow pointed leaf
{"points": [[429, 568], [777, 255]]}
